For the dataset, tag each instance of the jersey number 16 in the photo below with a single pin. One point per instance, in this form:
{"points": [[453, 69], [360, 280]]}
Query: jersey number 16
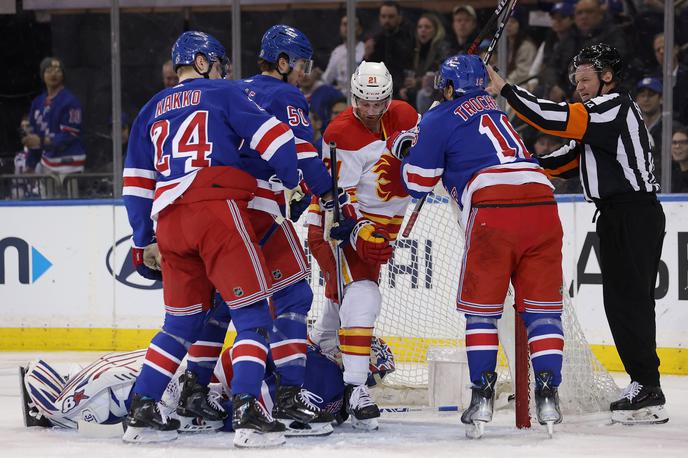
{"points": [[506, 141]]}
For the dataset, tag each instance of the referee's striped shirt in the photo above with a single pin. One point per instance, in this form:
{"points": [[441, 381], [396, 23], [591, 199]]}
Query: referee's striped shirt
{"points": [[611, 145]]}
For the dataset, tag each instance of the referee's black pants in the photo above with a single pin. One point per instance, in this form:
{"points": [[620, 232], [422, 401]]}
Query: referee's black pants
{"points": [[631, 231]]}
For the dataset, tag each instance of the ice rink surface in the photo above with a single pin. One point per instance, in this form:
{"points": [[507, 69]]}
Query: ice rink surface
{"points": [[418, 434]]}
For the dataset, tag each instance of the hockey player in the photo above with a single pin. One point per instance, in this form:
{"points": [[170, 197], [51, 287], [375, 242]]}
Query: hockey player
{"points": [[55, 119], [285, 57], [512, 228], [370, 175], [183, 169]]}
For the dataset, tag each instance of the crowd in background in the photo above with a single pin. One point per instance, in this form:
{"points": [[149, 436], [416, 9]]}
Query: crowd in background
{"points": [[542, 39]]}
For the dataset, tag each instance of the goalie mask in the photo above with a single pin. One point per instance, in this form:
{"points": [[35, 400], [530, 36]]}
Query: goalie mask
{"points": [[371, 89]]}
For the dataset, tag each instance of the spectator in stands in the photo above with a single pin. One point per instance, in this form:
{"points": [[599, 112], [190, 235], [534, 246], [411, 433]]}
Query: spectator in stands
{"points": [[55, 118], [169, 76], [394, 45], [545, 144], [555, 53], [521, 49], [679, 153], [430, 51], [595, 28], [465, 26], [318, 94], [336, 72], [649, 99], [680, 78]]}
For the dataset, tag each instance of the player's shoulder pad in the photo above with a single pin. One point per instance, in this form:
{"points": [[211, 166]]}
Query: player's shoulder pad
{"points": [[345, 130], [402, 115]]}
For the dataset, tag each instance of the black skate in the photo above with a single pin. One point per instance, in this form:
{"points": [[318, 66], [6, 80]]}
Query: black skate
{"points": [[294, 408], [198, 409], [363, 410], [253, 425], [547, 401], [32, 416], [145, 422], [640, 404], [482, 406]]}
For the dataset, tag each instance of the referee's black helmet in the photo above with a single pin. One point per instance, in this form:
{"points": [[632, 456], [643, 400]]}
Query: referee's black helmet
{"points": [[602, 57]]}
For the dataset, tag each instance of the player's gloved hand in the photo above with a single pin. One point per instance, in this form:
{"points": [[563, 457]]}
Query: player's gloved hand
{"points": [[137, 257], [371, 242], [342, 231], [327, 203], [298, 206], [399, 143]]}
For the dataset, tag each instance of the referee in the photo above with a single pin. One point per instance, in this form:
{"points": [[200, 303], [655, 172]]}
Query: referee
{"points": [[610, 148]]}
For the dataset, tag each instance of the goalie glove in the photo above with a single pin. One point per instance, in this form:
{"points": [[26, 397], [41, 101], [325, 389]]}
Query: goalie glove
{"points": [[371, 242], [399, 143], [147, 261]]}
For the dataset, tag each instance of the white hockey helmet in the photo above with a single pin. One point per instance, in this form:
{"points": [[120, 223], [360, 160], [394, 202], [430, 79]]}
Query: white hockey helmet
{"points": [[371, 82]]}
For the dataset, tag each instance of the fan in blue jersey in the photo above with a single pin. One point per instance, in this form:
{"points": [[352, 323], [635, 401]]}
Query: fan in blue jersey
{"points": [[512, 228], [285, 56], [55, 117], [183, 169]]}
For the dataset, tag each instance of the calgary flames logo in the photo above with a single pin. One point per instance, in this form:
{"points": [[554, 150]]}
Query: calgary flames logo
{"points": [[388, 170]]}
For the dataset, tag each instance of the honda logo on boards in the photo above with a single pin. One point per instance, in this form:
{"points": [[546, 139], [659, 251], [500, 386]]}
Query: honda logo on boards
{"points": [[31, 263], [124, 271]]}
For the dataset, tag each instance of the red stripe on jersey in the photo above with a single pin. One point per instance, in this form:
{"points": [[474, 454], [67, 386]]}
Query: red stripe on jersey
{"points": [[305, 148], [283, 351], [162, 189], [161, 360], [268, 194], [139, 182], [64, 164], [246, 348], [481, 339], [204, 351], [270, 137], [421, 180], [551, 343]]}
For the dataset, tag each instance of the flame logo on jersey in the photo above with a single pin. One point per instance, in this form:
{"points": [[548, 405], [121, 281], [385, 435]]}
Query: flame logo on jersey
{"points": [[389, 185]]}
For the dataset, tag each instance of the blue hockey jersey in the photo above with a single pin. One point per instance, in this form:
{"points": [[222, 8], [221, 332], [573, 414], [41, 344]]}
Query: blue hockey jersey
{"points": [[57, 121], [197, 124], [289, 105], [470, 144]]}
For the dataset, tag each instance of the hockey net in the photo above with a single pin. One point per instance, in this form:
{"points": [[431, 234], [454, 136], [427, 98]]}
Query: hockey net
{"points": [[418, 314]]}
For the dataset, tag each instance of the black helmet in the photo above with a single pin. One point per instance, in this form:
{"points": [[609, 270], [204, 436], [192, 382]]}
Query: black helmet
{"points": [[601, 57]]}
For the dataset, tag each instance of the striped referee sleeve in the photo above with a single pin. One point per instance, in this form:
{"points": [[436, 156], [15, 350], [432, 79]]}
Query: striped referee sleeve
{"points": [[569, 120], [562, 162]]}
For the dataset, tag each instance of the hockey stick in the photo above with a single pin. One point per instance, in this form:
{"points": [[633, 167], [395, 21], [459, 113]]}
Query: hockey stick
{"points": [[336, 215], [486, 29], [500, 28]]}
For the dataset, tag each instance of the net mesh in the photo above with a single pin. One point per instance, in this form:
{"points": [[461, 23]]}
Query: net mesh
{"points": [[419, 287]]}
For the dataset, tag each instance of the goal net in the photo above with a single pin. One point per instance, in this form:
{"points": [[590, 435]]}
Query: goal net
{"points": [[419, 287]]}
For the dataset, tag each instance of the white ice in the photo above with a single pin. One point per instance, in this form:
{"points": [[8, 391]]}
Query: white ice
{"points": [[418, 434]]}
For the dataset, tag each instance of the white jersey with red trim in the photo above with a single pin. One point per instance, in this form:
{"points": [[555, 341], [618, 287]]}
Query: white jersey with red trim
{"points": [[470, 144], [196, 124], [366, 169]]}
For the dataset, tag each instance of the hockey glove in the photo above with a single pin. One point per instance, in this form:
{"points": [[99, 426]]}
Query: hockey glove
{"points": [[297, 207], [342, 231], [137, 257], [399, 143], [371, 242], [344, 203]]}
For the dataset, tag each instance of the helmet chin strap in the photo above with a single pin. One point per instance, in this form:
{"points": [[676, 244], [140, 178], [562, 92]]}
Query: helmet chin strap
{"points": [[205, 74]]}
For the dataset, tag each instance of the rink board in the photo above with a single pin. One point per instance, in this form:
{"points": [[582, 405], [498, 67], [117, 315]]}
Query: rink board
{"points": [[66, 282]]}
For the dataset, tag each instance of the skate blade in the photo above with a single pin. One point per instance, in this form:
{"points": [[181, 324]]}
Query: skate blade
{"points": [[298, 429], [645, 416], [197, 424], [550, 428], [475, 430], [100, 431], [369, 424], [250, 438], [134, 435]]}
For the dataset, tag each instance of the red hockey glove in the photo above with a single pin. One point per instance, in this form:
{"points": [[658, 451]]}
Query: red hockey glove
{"points": [[371, 242]]}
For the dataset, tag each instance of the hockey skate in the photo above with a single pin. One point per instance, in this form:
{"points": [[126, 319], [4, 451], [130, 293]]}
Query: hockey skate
{"points": [[198, 409], [547, 401], [295, 409], [360, 406], [482, 406], [640, 404], [145, 423], [32, 416], [253, 425]]}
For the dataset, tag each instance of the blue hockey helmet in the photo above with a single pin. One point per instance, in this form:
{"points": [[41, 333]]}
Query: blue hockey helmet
{"points": [[281, 39], [189, 44], [466, 72]]}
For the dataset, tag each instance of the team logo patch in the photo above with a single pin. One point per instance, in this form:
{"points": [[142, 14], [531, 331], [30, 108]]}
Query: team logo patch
{"points": [[72, 401], [388, 172], [238, 292], [276, 274]]}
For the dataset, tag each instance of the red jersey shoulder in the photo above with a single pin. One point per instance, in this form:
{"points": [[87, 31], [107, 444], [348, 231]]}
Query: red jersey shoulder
{"points": [[400, 116], [348, 132]]}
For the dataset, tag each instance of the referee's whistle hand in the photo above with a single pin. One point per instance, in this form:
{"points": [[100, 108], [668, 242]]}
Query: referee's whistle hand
{"points": [[496, 81]]}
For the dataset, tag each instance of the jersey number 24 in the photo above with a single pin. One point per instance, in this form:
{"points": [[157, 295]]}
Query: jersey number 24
{"points": [[506, 141], [190, 142]]}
